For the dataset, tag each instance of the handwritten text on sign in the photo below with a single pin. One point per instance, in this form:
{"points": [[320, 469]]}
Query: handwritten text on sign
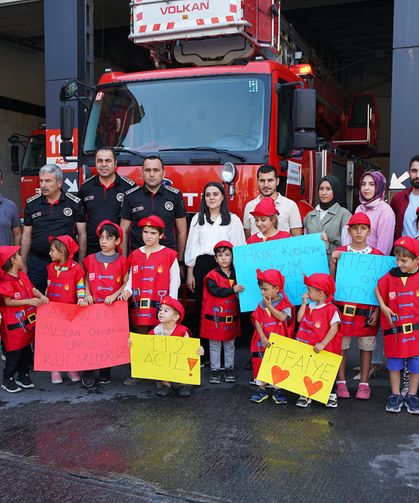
{"points": [[294, 257], [358, 275], [70, 337], [165, 358], [294, 366]]}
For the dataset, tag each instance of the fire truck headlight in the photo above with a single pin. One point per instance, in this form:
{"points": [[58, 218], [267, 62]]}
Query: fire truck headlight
{"points": [[228, 172]]}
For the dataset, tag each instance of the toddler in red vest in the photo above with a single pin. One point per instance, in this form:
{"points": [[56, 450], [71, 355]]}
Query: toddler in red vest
{"points": [[398, 296], [65, 283], [220, 315], [357, 320], [319, 322], [272, 315], [17, 328]]}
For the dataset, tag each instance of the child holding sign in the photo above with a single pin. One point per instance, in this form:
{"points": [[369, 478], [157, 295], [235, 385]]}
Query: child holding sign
{"points": [[319, 322], [271, 315], [106, 276], [19, 300], [266, 221], [171, 314], [154, 274], [398, 296], [220, 316], [358, 320], [65, 282]]}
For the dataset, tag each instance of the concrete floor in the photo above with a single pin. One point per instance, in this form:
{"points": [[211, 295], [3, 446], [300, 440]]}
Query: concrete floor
{"points": [[117, 443]]}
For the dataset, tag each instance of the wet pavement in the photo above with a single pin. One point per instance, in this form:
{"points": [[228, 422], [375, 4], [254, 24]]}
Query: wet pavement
{"points": [[117, 443]]}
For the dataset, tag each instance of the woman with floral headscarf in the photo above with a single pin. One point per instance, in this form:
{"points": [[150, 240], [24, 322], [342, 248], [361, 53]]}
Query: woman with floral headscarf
{"points": [[372, 188]]}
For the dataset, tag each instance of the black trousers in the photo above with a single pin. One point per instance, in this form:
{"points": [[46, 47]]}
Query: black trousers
{"points": [[19, 360]]}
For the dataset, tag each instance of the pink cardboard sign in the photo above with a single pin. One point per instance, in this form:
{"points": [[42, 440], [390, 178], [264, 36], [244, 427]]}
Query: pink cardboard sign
{"points": [[70, 337]]}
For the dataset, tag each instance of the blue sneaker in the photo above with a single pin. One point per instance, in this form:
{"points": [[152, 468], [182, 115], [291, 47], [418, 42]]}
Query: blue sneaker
{"points": [[259, 396], [394, 403], [279, 398], [412, 403]]}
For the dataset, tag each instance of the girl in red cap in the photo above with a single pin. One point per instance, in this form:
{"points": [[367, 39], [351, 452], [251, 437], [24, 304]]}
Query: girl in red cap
{"points": [[105, 279], [17, 329], [319, 322], [220, 315], [65, 282], [266, 221], [272, 315], [398, 296], [170, 316], [358, 320]]}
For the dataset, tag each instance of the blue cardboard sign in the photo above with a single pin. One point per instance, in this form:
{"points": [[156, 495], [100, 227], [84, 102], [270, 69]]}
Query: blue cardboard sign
{"points": [[358, 275], [293, 257]]}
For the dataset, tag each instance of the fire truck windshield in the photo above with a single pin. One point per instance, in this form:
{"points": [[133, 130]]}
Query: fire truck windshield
{"points": [[229, 113], [35, 156]]}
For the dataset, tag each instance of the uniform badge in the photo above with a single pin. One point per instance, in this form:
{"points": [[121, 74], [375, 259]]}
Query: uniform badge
{"points": [[68, 212], [392, 295], [318, 324], [120, 197], [169, 205], [17, 296], [92, 276], [135, 269]]}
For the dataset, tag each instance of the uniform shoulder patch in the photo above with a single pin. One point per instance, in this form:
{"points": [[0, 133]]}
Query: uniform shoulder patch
{"points": [[129, 191], [128, 180], [171, 189], [30, 199], [72, 197]]}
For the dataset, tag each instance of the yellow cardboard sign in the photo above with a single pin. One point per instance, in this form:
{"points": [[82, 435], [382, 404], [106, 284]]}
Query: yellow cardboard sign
{"points": [[296, 367], [165, 358]]}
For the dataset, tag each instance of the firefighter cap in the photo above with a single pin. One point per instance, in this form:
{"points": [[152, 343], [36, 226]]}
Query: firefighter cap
{"points": [[174, 304], [69, 242], [223, 244], [271, 276], [409, 244], [7, 252], [108, 222], [323, 282], [265, 208], [359, 219], [151, 221]]}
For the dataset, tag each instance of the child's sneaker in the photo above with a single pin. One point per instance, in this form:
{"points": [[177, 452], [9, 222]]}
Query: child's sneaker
{"points": [[279, 398], [333, 401], [229, 375], [56, 378], [88, 378], [363, 392], [394, 403], [104, 377], [184, 390], [10, 386], [342, 390], [412, 403], [165, 390], [74, 376], [25, 381], [259, 396], [303, 401], [215, 377]]}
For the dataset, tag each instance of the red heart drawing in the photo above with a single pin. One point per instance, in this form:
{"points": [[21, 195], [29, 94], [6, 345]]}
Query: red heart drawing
{"points": [[278, 374], [312, 387]]}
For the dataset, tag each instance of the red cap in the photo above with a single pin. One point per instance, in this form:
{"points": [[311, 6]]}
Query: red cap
{"points": [[117, 227], [174, 304], [409, 244], [151, 221], [323, 282], [271, 276], [359, 219], [70, 244], [265, 208], [223, 244], [6, 252]]}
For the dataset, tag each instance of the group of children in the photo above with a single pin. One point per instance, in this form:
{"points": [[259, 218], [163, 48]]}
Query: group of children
{"points": [[150, 279]]}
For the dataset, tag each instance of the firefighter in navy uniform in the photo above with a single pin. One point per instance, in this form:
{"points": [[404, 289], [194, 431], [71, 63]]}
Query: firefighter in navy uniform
{"points": [[102, 195], [50, 213]]}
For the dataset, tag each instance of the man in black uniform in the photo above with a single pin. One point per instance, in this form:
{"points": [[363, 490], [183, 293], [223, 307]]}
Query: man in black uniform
{"points": [[50, 213], [154, 198], [102, 195]]}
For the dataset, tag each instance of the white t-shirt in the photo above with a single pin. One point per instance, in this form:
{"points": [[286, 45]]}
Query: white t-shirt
{"points": [[289, 216], [409, 220]]}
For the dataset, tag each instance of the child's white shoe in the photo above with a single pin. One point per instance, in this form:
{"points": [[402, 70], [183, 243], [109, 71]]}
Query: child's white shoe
{"points": [[56, 378]]}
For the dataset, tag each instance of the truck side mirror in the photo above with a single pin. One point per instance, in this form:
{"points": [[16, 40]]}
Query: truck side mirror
{"points": [[66, 148], [14, 157], [66, 122], [304, 119]]}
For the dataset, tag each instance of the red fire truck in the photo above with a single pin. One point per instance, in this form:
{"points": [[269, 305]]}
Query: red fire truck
{"points": [[230, 92]]}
